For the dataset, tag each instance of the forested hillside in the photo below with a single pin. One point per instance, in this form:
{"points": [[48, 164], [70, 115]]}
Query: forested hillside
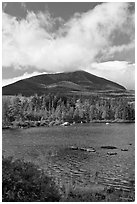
{"points": [[69, 82]]}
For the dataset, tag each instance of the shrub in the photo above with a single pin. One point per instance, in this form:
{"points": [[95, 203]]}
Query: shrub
{"points": [[25, 182]]}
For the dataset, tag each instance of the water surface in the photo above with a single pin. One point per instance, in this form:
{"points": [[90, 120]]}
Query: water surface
{"points": [[49, 147]]}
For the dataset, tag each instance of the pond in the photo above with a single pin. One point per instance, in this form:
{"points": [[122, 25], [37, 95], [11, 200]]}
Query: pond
{"points": [[51, 148]]}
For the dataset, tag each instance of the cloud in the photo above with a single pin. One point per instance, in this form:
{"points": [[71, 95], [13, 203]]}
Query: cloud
{"points": [[24, 76], [121, 48], [49, 44], [110, 52], [121, 72]]}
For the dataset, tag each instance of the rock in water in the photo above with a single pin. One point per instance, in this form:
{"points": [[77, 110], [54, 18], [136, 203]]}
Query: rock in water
{"points": [[124, 149], [65, 124], [90, 150], [73, 147], [108, 147], [111, 153]]}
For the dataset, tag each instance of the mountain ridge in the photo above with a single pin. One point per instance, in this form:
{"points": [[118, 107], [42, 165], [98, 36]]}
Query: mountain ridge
{"points": [[53, 83]]}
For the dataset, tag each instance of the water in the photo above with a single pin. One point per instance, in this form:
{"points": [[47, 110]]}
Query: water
{"points": [[49, 147]]}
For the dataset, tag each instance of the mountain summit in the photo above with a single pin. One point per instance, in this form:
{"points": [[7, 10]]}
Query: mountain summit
{"points": [[67, 82]]}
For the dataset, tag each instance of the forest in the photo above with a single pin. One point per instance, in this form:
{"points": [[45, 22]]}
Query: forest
{"points": [[48, 110]]}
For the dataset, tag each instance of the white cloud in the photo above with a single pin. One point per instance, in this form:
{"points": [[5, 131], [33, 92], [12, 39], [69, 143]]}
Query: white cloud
{"points": [[24, 76], [116, 49], [34, 42], [119, 71]]}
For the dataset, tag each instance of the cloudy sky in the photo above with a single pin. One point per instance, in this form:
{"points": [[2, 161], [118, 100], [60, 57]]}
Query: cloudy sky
{"points": [[60, 37]]}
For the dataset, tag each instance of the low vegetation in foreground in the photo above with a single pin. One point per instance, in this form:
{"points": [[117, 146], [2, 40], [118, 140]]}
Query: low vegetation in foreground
{"points": [[25, 182], [49, 110]]}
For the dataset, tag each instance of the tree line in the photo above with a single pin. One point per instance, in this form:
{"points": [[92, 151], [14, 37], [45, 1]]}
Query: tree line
{"points": [[55, 108]]}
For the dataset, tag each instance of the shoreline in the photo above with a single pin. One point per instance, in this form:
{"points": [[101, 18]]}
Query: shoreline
{"points": [[30, 124]]}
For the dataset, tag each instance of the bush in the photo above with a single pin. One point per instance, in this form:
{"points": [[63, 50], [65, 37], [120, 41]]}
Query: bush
{"points": [[25, 182]]}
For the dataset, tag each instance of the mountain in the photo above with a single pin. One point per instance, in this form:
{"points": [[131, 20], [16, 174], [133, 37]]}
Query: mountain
{"points": [[67, 82]]}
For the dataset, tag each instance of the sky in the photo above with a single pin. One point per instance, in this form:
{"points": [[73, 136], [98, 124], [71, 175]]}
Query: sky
{"points": [[41, 37]]}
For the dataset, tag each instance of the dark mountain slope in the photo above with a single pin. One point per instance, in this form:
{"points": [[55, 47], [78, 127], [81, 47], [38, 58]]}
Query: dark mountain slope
{"points": [[61, 82]]}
